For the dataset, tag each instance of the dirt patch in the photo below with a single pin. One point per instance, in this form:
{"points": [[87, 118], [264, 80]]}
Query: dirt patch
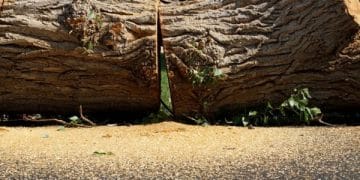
{"points": [[180, 151]]}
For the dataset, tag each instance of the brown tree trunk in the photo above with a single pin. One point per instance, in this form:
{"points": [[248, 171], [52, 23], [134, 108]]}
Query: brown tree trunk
{"points": [[251, 52], [59, 54]]}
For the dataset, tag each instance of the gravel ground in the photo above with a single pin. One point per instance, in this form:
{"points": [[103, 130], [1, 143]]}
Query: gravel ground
{"points": [[176, 151]]}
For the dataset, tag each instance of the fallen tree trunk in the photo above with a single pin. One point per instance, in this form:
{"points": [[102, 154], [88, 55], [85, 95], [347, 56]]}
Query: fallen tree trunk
{"points": [[59, 54], [226, 55]]}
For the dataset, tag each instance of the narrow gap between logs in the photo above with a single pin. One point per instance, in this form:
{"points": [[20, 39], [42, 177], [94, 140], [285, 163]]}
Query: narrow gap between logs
{"points": [[165, 90]]}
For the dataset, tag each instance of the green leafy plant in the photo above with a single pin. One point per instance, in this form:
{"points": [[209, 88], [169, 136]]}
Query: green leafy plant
{"points": [[298, 103], [294, 110], [75, 120]]}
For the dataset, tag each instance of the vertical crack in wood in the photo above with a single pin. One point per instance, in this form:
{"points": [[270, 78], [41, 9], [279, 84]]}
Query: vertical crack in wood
{"points": [[164, 62]]}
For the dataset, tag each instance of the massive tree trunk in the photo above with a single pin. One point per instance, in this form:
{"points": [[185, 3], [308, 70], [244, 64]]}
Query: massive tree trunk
{"points": [[56, 55], [59, 54], [234, 54]]}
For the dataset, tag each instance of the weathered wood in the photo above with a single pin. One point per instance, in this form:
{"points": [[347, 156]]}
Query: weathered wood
{"points": [[264, 48], [59, 54]]}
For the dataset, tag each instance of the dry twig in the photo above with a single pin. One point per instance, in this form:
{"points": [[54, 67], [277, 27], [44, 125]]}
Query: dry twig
{"points": [[85, 118], [27, 118], [319, 119]]}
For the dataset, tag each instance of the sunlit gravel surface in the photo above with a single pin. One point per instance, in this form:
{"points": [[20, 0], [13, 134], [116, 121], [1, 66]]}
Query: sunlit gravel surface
{"points": [[175, 151]]}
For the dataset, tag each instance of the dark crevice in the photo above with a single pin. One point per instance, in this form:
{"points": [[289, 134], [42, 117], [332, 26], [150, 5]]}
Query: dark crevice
{"points": [[165, 90]]}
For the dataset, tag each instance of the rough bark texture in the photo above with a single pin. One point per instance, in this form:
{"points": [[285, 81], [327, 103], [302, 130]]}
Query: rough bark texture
{"points": [[59, 54], [264, 49]]}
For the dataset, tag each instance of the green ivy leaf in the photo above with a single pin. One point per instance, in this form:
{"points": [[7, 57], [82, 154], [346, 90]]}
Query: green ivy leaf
{"points": [[315, 111], [74, 118], [310, 114], [292, 102], [245, 122], [253, 113], [303, 102], [306, 93], [306, 117], [217, 72]]}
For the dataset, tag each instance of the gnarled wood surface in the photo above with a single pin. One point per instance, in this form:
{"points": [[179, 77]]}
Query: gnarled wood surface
{"points": [[47, 65], [264, 48]]}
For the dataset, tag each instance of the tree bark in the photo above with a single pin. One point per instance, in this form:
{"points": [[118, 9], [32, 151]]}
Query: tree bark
{"points": [[262, 49], [59, 54]]}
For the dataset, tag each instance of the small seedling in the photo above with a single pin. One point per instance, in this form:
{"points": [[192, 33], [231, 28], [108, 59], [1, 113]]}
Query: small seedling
{"points": [[75, 120]]}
